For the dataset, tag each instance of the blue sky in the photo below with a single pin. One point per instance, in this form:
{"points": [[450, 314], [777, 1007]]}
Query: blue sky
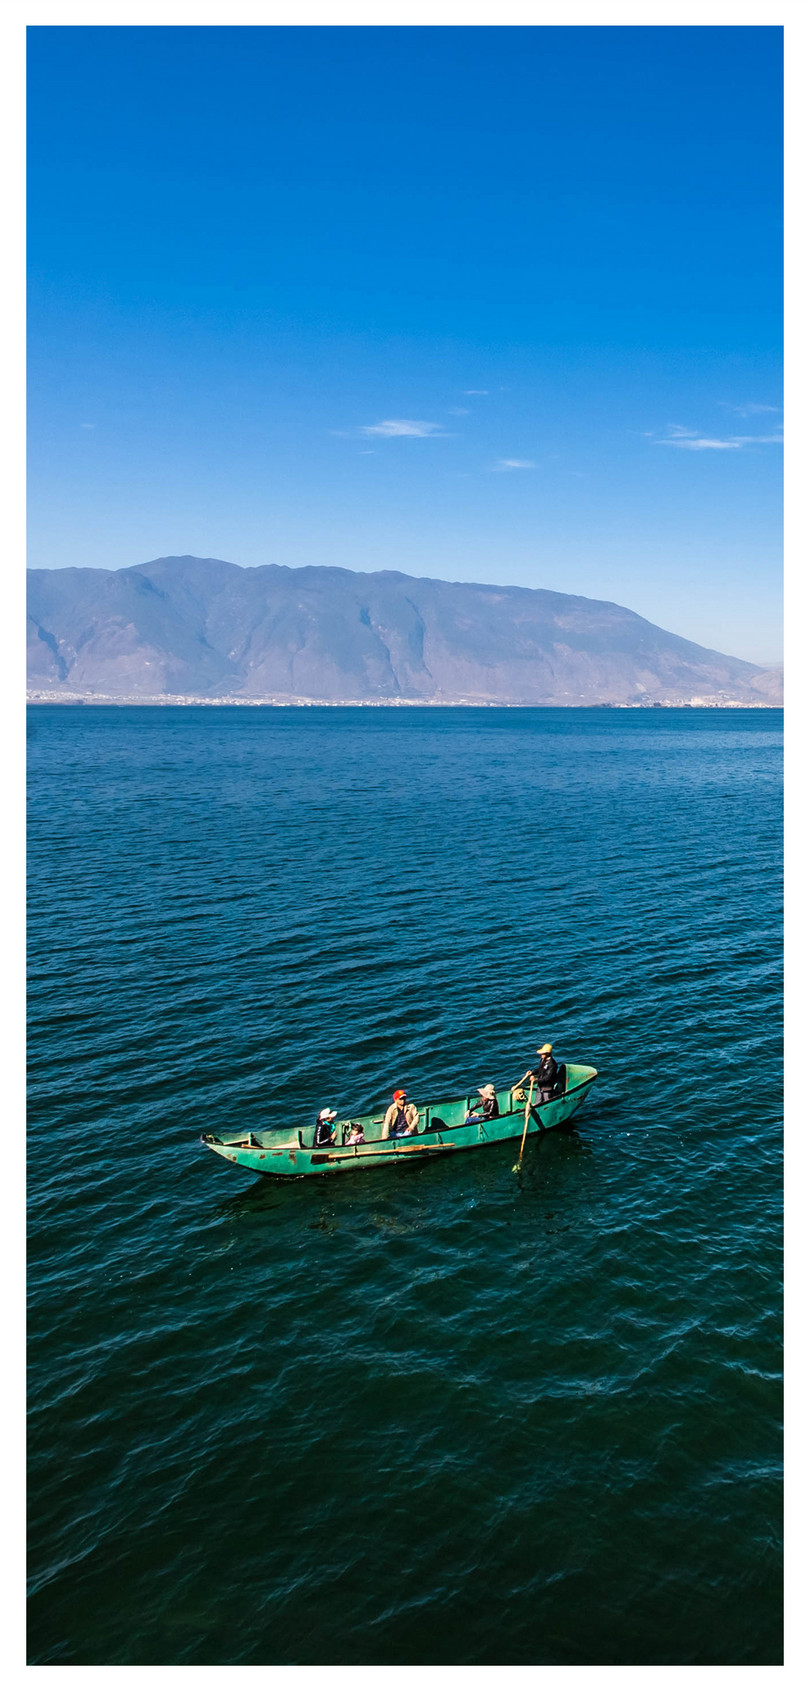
{"points": [[485, 304]]}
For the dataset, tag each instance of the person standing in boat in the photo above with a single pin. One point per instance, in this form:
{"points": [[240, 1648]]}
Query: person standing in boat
{"points": [[544, 1074], [401, 1117], [324, 1131], [488, 1108]]}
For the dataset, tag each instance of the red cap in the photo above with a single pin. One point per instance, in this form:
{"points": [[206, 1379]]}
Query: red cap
{"points": [[399, 1093]]}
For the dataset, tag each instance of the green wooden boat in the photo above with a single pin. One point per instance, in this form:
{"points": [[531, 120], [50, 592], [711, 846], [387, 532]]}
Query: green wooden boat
{"points": [[442, 1129]]}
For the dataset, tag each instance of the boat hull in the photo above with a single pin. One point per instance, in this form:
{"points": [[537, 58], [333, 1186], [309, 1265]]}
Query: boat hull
{"points": [[293, 1156]]}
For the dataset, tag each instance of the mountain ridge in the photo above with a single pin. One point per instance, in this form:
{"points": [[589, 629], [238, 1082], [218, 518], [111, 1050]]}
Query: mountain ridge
{"points": [[181, 626]]}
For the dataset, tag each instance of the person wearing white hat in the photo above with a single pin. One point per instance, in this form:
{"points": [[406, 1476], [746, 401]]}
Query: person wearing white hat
{"points": [[488, 1108], [324, 1131], [544, 1073]]}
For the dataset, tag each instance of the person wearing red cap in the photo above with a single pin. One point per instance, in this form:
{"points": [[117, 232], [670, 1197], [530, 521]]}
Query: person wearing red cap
{"points": [[401, 1118]]}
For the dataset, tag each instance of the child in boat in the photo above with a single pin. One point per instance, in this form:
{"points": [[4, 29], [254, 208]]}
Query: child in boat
{"points": [[356, 1136]]}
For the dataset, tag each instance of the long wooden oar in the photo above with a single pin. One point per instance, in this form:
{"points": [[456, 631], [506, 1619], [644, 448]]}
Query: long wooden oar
{"points": [[517, 1166]]}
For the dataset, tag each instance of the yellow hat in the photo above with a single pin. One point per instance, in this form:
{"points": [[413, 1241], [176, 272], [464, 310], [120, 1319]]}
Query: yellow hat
{"points": [[545, 1048]]}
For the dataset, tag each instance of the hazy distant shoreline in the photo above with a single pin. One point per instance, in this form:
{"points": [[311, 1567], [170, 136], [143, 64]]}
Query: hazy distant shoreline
{"points": [[409, 704]]}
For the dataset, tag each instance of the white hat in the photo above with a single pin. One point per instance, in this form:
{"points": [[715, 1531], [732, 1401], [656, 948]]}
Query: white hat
{"points": [[326, 1116], [489, 1091]]}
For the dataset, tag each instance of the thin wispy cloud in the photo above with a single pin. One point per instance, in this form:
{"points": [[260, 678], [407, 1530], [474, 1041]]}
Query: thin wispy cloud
{"points": [[514, 464], [395, 426], [458, 411], [480, 391], [750, 409], [86, 425], [689, 440], [701, 443]]}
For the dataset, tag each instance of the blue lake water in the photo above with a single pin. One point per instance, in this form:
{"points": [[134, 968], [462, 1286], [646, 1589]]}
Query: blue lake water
{"points": [[436, 1413]]}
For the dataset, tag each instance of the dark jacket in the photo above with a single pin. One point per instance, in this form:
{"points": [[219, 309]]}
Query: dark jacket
{"points": [[545, 1073]]}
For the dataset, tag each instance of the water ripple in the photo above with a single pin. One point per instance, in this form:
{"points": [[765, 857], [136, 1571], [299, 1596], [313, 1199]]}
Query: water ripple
{"points": [[425, 1415]]}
